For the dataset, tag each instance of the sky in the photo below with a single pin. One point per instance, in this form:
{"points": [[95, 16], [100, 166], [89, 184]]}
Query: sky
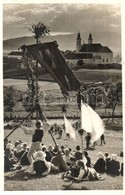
{"points": [[62, 18]]}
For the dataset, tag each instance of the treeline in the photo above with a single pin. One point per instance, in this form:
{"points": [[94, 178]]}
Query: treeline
{"points": [[80, 64]]}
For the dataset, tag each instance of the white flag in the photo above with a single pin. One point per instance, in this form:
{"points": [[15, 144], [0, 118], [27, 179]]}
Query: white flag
{"points": [[69, 129], [91, 122], [86, 122], [97, 124]]}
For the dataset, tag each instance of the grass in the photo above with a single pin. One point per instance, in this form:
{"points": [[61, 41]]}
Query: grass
{"points": [[15, 181]]}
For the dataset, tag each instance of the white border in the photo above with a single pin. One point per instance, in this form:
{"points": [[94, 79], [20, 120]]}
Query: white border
{"points": [[122, 2]]}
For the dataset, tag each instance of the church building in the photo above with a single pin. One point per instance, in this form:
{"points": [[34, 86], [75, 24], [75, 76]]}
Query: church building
{"points": [[90, 53]]}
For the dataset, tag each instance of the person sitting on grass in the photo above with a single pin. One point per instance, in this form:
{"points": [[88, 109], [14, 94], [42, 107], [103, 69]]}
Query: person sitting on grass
{"points": [[51, 150], [48, 154], [107, 159], [114, 166], [8, 165], [59, 161], [100, 164], [24, 159], [85, 173], [72, 169], [40, 167], [62, 148], [88, 163], [121, 171], [78, 153], [67, 155]]}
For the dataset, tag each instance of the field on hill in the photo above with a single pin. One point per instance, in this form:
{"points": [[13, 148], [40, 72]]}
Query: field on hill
{"points": [[15, 181]]}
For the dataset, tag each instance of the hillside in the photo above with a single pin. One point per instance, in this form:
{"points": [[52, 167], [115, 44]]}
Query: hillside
{"points": [[68, 42]]}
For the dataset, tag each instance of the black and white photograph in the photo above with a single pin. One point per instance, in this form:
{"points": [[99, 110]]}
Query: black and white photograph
{"points": [[62, 69]]}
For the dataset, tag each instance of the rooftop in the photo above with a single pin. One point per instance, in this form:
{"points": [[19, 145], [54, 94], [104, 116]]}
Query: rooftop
{"points": [[95, 47]]}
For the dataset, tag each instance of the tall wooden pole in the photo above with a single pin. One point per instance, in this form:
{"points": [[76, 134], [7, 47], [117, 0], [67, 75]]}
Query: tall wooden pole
{"points": [[81, 131], [37, 113]]}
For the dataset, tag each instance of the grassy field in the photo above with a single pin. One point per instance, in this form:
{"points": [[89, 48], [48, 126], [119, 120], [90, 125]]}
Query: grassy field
{"points": [[15, 181]]}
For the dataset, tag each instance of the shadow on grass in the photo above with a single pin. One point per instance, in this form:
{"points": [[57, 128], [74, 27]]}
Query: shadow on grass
{"points": [[22, 175], [18, 175], [75, 188], [73, 185]]}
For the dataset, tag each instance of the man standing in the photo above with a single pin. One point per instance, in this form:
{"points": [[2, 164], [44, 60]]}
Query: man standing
{"points": [[88, 138], [103, 139], [37, 135]]}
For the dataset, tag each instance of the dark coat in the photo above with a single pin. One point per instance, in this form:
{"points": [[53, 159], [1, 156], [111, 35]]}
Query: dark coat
{"points": [[99, 166], [113, 167], [88, 164], [24, 159], [39, 167], [78, 155]]}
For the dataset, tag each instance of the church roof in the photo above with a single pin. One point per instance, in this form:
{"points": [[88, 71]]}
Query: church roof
{"points": [[95, 47]]}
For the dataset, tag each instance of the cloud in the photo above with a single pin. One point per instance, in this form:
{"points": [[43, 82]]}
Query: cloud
{"points": [[68, 17], [11, 19], [61, 33]]}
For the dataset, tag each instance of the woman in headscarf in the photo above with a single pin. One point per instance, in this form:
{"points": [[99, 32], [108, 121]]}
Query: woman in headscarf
{"points": [[100, 164], [113, 165], [40, 166]]}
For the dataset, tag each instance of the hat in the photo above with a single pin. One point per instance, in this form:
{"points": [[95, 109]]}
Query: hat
{"points": [[9, 146], [50, 147], [106, 154], [25, 145], [66, 151], [16, 143], [100, 155], [19, 147], [40, 154], [77, 147], [43, 147], [114, 156]]}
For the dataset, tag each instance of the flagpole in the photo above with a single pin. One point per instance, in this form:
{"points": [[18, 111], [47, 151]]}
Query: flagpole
{"points": [[81, 133]]}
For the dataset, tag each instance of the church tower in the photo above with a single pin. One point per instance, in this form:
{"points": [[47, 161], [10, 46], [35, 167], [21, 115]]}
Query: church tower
{"points": [[90, 39], [78, 43]]}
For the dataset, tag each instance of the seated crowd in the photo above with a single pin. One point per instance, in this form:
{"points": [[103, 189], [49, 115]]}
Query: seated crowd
{"points": [[61, 159]]}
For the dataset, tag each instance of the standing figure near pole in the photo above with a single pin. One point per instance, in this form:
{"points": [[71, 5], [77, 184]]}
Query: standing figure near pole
{"points": [[88, 138], [37, 135], [102, 139]]}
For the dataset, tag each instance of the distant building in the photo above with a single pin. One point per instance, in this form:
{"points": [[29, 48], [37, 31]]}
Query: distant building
{"points": [[90, 53], [15, 54]]}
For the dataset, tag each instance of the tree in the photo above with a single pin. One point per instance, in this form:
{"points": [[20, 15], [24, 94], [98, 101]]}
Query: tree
{"points": [[95, 96], [9, 100], [114, 95], [80, 63], [39, 30]]}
